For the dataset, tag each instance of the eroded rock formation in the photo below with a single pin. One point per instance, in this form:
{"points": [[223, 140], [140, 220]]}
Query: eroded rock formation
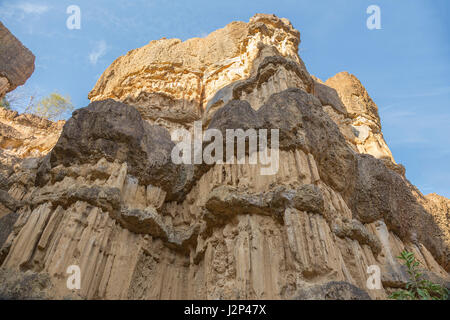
{"points": [[172, 81], [359, 122], [26, 135], [109, 199]]}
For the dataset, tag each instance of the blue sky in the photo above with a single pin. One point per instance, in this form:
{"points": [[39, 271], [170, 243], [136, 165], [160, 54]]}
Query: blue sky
{"points": [[405, 66]]}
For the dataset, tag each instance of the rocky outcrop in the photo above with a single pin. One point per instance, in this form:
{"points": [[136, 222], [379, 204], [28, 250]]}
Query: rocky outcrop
{"points": [[24, 139], [108, 198], [349, 105], [333, 290], [170, 82], [24, 286], [439, 207], [16, 62], [26, 136]]}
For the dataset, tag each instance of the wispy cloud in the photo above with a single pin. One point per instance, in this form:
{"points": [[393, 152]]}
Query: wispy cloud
{"points": [[22, 9], [434, 92], [112, 20], [98, 52], [414, 127], [32, 8], [413, 139]]}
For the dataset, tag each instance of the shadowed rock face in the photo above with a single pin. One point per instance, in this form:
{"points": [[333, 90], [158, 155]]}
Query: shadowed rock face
{"points": [[24, 286], [16, 62], [109, 199], [302, 124], [333, 291], [116, 132]]}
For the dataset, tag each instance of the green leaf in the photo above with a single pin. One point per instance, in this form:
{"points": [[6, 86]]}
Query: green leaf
{"points": [[424, 294], [417, 287]]}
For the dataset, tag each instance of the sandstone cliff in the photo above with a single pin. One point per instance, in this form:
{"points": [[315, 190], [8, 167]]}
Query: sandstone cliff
{"points": [[24, 139], [170, 81], [109, 199], [26, 135]]}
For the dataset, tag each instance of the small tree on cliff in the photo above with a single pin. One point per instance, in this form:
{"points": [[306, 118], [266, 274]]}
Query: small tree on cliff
{"points": [[4, 103], [52, 107], [417, 287], [20, 99]]}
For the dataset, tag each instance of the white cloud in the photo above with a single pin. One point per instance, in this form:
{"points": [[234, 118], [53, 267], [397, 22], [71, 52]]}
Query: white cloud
{"points": [[32, 8], [98, 52]]}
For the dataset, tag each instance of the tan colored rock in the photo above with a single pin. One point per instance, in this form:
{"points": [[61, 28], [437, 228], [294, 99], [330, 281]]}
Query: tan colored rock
{"points": [[170, 80], [26, 135], [362, 125]]}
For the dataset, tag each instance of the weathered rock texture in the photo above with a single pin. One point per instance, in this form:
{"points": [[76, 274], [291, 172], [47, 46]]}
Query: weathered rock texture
{"points": [[109, 199], [16, 62], [26, 135], [24, 139], [359, 122], [172, 81]]}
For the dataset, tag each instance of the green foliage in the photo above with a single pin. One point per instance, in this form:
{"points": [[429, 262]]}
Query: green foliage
{"points": [[417, 287], [4, 103], [53, 107]]}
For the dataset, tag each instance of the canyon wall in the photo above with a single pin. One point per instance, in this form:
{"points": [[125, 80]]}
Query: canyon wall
{"points": [[109, 199]]}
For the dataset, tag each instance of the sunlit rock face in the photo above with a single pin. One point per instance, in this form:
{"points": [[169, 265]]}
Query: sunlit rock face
{"points": [[172, 81], [363, 112], [108, 198], [26, 135]]}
